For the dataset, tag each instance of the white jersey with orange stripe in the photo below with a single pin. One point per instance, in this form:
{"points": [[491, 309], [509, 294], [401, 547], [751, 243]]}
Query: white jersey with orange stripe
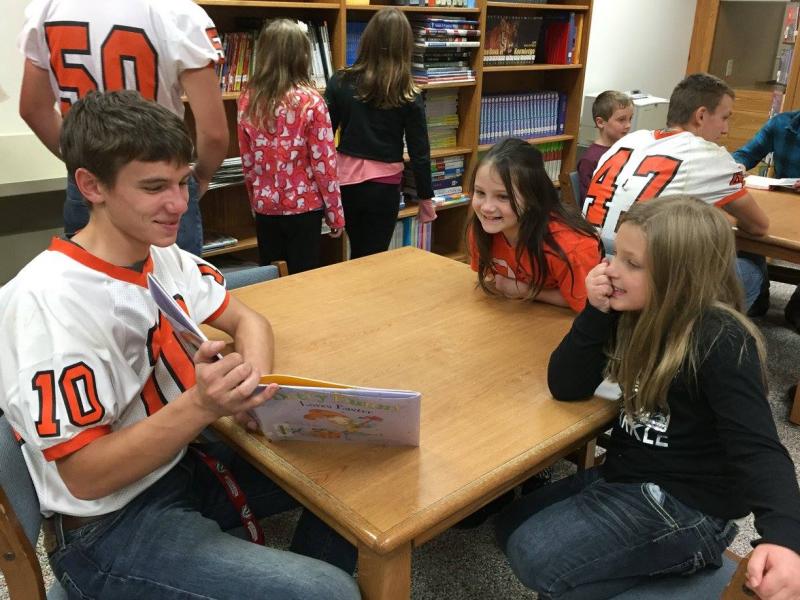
{"points": [[646, 164], [85, 352], [119, 44]]}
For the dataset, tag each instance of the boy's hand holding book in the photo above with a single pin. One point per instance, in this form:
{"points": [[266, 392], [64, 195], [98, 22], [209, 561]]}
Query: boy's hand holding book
{"points": [[225, 386]]}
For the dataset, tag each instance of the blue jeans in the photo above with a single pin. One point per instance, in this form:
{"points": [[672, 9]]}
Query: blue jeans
{"points": [[168, 543], [586, 538], [752, 272], [190, 230]]}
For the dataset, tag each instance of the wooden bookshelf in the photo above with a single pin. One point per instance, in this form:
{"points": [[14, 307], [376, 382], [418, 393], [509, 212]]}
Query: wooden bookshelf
{"points": [[228, 210]]}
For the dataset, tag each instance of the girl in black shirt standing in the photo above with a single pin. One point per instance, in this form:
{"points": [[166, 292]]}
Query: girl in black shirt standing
{"points": [[375, 104]]}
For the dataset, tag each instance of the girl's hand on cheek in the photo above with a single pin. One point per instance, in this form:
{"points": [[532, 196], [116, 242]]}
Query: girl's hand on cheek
{"points": [[598, 287]]}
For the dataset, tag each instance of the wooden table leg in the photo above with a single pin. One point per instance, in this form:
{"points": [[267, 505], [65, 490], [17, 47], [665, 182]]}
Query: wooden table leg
{"points": [[385, 576], [794, 416], [584, 456]]}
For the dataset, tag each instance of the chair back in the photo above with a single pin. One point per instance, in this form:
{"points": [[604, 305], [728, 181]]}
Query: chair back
{"points": [[242, 275], [575, 184], [20, 521]]}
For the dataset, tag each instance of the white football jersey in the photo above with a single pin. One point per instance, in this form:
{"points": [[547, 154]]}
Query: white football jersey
{"points": [[646, 164], [85, 352], [142, 45]]}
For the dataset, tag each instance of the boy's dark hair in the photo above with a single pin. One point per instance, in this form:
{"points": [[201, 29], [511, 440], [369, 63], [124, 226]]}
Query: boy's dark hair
{"points": [[606, 103], [105, 131], [696, 90]]}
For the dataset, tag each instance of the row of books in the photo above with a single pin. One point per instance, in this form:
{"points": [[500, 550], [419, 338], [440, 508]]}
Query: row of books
{"points": [[559, 39], [410, 232], [453, 3], [441, 114], [355, 29], [240, 46], [552, 152], [529, 115]]}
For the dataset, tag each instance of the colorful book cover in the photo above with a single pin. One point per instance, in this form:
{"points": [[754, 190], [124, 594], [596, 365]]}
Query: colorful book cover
{"points": [[310, 409]]}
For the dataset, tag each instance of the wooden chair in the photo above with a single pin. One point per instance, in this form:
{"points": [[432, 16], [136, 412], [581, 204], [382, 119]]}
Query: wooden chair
{"points": [[20, 521]]}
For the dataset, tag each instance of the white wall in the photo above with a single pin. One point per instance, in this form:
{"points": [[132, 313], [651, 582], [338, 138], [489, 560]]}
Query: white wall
{"points": [[25, 159], [639, 44]]}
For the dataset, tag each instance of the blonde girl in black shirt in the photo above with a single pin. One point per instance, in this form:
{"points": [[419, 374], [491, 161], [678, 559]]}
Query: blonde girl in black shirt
{"points": [[694, 447]]}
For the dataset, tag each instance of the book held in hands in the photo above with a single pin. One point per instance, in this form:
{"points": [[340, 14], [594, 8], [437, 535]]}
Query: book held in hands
{"points": [[313, 410]]}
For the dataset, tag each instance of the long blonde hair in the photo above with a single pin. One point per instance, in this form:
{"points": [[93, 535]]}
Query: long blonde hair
{"points": [[383, 67], [283, 55], [691, 266]]}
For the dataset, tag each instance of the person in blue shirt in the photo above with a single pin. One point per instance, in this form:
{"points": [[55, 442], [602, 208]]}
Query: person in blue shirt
{"points": [[781, 136]]}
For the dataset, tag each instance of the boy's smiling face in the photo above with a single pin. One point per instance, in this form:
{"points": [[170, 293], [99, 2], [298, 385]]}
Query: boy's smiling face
{"points": [[142, 208]]}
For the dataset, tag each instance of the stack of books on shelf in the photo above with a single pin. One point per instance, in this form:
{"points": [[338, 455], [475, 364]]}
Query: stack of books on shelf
{"points": [[214, 240], [354, 31], [529, 115], [240, 47], [442, 47], [229, 173], [511, 39], [447, 175], [441, 114], [410, 232]]}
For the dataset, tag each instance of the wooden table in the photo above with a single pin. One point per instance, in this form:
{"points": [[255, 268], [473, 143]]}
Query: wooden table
{"points": [[782, 242], [414, 320]]}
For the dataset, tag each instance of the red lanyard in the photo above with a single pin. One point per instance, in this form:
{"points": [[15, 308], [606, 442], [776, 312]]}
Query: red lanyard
{"points": [[235, 495]]}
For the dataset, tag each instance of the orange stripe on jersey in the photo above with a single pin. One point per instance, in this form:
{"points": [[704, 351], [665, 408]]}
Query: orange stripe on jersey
{"points": [[84, 438], [212, 272], [660, 134], [731, 197], [89, 260], [17, 436], [215, 315]]}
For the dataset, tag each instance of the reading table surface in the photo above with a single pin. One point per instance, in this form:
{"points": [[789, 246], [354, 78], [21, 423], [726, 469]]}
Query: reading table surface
{"points": [[411, 319], [782, 242]]}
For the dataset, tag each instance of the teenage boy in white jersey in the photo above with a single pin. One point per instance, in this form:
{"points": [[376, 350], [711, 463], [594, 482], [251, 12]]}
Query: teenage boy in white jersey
{"points": [[105, 400], [161, 48], [683, 159]]}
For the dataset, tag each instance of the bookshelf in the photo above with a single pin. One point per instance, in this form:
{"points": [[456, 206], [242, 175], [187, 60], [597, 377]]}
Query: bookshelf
{"points": [[227, 209]]}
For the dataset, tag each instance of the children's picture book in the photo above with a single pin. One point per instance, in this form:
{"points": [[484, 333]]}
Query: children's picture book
{"points": [[309, 409], [757, 182]]}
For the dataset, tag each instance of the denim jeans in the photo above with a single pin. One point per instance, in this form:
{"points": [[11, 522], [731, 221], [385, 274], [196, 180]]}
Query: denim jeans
{"points": [[585, 538], [190, 230], [752, 272], [168, 543]]}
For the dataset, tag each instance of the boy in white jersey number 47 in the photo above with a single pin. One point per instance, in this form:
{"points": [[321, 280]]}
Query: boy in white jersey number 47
{"points": [[683, 159], [105, 401]]}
